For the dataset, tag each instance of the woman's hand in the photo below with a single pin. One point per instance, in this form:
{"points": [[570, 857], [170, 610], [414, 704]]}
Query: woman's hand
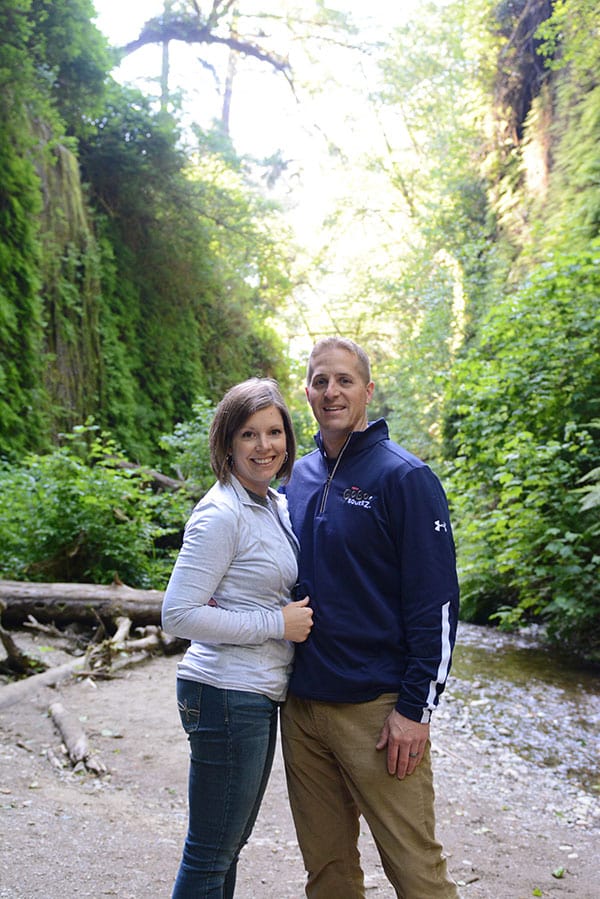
{"points": [[297, 620]]}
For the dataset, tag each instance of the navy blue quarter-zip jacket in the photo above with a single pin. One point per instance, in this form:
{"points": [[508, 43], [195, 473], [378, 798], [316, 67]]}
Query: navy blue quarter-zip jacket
{"points": [[377, 560]]}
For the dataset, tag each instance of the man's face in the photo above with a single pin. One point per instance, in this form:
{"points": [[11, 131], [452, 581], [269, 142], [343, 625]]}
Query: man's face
{"points": [[338, 394]]}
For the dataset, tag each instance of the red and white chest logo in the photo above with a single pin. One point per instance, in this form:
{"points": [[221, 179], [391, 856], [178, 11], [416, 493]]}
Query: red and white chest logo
{"points": [[354, 496]]}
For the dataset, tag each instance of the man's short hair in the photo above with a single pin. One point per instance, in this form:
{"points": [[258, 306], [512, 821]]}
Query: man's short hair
{"points": [[344, 343]]}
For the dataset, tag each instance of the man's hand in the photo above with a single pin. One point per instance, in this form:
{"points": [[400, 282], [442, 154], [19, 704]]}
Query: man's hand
{"points": [[405, 741]]}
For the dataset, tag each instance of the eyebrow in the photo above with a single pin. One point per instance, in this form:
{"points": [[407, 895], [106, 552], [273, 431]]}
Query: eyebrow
{"points": [[337, 374]]}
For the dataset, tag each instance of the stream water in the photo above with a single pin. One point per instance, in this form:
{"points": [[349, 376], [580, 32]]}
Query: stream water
{"points": [[510, 689]]}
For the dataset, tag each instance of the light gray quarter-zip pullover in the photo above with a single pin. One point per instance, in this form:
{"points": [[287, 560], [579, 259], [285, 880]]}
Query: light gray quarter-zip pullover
{"points": [[235, 572]]}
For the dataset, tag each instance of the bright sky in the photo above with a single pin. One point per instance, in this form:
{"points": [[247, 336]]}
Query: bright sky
{"points": [[263, 109], [265, 116]]}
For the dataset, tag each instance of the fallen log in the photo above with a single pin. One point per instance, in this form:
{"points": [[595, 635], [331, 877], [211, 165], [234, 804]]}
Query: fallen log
{"points": [[17, 662], [102, 660], [159, 480], [71, 731], [69, 639], [62, 603], [20, 690], [75, 739]]}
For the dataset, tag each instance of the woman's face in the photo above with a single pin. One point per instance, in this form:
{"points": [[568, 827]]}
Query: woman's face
{"points": [[258, 449]]}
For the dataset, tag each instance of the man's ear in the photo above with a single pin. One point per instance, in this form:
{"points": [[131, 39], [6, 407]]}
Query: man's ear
{"points": [[370, 389], [306, 392]]}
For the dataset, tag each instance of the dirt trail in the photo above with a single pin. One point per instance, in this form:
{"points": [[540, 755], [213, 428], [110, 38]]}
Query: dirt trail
{"points": [[506, 825]]}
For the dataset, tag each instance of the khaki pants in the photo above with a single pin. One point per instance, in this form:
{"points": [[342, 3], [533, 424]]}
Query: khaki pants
{"points": [[335, 774]]}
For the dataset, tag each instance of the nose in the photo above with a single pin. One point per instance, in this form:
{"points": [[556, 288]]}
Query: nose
{"points": [[331, 387]]}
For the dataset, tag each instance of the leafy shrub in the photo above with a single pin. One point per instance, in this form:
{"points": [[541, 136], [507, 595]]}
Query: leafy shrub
{"points": [[76, 515], [521, 428], [188, 450]]}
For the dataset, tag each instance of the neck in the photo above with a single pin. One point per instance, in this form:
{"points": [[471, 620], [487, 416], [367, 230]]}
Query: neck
{"points": [[257, 489], [334, 443]]}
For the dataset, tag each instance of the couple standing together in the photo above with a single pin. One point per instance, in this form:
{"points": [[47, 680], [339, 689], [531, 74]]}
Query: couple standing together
{"points": [[339, 593]]}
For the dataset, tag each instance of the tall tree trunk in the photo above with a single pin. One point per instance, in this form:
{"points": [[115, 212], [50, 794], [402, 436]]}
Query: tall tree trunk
{"points": [[164, 74], [231, 71]]}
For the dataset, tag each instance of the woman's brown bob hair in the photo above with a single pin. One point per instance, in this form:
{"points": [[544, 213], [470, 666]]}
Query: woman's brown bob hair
{"points": [[234, 410]]}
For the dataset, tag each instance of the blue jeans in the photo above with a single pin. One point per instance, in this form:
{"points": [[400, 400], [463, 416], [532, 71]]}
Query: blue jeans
{"points": [[232, 738]]}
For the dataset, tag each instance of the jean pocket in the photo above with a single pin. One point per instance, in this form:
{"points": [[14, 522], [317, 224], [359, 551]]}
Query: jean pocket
{"points": [[189, 700]]}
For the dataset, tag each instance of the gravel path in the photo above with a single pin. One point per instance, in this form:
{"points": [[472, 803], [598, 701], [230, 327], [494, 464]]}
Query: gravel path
{"points": [[511, 828]]}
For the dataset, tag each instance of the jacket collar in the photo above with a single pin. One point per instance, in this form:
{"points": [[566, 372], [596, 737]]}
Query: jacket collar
{"points": [[242, 494], [359, 440]]}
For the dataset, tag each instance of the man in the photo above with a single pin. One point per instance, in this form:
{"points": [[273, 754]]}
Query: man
{"points": [[377, 560]]}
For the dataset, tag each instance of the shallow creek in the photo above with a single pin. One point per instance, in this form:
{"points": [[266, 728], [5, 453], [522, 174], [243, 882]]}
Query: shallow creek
{"points": [[511, 690]]}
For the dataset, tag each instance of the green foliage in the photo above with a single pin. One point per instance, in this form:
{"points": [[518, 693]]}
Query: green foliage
{"points": [[48, 309], [515, 387], [131, 281], [573, 50], [188, 449], [451, 268], [21, 389], [189, 273], [70, 270], [568, 39], [76, 515], [305, 428], [590, 492], [519, 71], [72, 58], [521, 429], [428, 309]]}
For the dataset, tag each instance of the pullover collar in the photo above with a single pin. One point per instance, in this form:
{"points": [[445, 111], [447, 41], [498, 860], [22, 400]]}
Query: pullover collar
{"points": [[355, 443], [358, 440]]}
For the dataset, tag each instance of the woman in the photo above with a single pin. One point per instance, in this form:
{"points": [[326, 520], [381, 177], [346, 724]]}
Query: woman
{"points": [[230, 593]]}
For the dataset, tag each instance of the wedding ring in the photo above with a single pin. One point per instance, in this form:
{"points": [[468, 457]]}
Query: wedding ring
{"points": [[413, 755]]}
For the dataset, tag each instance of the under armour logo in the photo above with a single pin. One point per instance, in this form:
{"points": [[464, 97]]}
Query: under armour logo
{"points": [[441, 526]]}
